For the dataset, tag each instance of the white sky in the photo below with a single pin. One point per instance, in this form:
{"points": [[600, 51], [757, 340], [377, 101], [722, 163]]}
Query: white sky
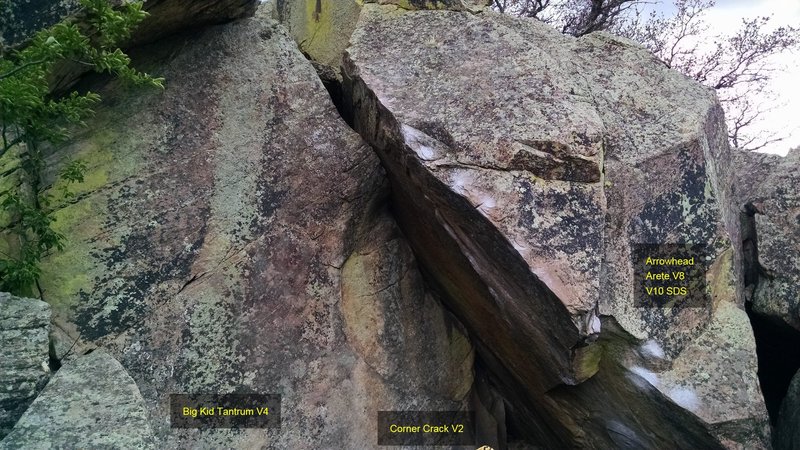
{"points": [[784, 115]]}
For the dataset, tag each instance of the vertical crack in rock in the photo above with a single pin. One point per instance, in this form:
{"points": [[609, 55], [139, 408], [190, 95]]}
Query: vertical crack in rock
{"points": [[763, 194], [776, 342], [332, 81], [750, 267]]}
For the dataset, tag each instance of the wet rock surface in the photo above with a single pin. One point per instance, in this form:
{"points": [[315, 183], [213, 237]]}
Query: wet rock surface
{"points": [[90, 402], [24, 369]]}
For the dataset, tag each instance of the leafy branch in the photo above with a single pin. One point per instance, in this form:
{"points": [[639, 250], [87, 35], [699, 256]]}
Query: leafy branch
{"points": [[31, 117]]}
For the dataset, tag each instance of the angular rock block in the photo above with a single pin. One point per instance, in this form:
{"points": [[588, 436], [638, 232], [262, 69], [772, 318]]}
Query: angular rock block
{"points": [[90, 402], [525, 167], [24, 369]]}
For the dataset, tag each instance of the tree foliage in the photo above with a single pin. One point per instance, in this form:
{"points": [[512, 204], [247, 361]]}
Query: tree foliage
{"points": [[739, 66], [31, 117], [575, 17]]}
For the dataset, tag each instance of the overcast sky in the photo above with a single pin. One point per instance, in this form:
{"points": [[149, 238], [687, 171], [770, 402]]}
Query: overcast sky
{"points": [[725, 18]]}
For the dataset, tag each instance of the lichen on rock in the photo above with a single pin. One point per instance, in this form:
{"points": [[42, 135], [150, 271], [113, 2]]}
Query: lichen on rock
{"points": [[24, 367], [525, 165], [89, 403]]}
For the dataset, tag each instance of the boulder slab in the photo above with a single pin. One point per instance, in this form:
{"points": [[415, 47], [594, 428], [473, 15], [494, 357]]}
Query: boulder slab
{"points": [[525, 165], [90, 402], [24, 368]]}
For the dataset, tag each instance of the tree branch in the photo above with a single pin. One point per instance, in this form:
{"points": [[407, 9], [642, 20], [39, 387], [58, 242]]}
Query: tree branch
{"points": [[22, 67]]}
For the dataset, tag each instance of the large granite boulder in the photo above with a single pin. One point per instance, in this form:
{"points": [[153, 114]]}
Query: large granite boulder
{"points": [[89, 403], [525, 167], [232, 236], [24, 366]]}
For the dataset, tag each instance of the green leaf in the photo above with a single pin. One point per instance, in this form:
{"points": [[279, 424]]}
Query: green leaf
{"points": [[30, 115]]}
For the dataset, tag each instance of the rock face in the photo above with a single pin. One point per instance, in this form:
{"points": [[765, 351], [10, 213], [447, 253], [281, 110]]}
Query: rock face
{"points": [[322, 29], [765, 198], [770, 203], [232, 236], [24, 369], [523, 204], [89, 403], [387, 313], [787, 432], [20, 19]]}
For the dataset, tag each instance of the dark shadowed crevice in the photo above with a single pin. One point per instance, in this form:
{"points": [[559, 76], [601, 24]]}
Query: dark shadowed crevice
{"points": [[334, 88], [53, 362], [778, 359], [332, 81], [776, 343], [750, 264], [498, 425]]}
